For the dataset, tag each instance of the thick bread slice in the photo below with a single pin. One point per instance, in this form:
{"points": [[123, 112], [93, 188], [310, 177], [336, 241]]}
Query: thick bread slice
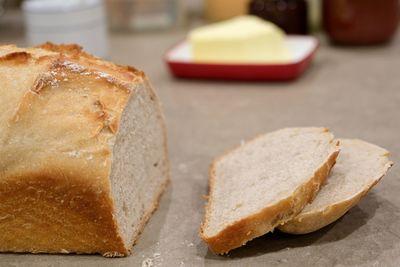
{"points": [[359, 167], [83, 153], [264, 183]]}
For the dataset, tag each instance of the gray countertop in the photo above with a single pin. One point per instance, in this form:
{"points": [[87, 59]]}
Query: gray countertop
{"points": [[353, 91]]}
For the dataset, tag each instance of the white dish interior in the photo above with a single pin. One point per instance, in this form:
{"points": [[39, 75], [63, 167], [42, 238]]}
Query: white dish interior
{"points": [[299, 46]]}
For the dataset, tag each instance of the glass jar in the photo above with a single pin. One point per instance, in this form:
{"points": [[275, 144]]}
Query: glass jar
{"points": [[289, 15], [145, 14], [359, 22]]}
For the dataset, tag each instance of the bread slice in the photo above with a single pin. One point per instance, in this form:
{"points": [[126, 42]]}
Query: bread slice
{"points": [[264, 183], [359, 167], [83, 153]]}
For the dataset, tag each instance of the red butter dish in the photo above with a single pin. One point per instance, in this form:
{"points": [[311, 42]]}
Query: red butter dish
{"points": [[303, 48]]}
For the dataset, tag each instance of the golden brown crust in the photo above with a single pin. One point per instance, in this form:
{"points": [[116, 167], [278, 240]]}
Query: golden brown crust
{"points": [[240, 232], [72, 50], [57, 211], [315, 220], [17, 57], [56, 152]]}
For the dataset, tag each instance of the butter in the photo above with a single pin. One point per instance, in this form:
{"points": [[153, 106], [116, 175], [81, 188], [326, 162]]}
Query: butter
{"points": [[244, 39]]}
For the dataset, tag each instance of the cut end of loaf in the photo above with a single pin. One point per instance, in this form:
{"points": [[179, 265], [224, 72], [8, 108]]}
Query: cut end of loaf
{"points": [[140, 167]]}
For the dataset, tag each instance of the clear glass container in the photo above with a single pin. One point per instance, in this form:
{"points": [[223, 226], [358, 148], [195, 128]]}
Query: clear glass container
{"points": [[145, 14]]}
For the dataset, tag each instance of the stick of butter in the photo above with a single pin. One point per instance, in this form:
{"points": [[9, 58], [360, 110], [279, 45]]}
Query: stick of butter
{"points": [[244, 39]]}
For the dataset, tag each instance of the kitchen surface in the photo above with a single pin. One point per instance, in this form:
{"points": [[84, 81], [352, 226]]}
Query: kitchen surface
{"points": [[352, 90]]}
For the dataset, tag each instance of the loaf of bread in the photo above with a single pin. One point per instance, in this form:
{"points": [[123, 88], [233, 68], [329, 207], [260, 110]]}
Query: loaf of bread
{"points": [[83, 153], [264, 183], [359, 167]]}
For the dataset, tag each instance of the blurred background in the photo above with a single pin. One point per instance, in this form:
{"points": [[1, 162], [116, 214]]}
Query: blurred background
{"points": [[89, 22]]}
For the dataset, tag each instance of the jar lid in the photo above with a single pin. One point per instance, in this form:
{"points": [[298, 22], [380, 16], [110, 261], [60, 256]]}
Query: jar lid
{"points": [[58, 6]]}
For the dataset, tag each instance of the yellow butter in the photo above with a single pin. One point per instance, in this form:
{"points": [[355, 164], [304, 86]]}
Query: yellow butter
{"points": [[245, 39]]}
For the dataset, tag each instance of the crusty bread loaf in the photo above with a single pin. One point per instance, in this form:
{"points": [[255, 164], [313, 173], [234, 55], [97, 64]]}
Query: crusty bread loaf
{"points": [[264, 183], [359, 167], [83, 152]]}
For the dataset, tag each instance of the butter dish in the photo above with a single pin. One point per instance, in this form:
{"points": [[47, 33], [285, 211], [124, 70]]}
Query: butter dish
{"points": [[302, 48]]}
